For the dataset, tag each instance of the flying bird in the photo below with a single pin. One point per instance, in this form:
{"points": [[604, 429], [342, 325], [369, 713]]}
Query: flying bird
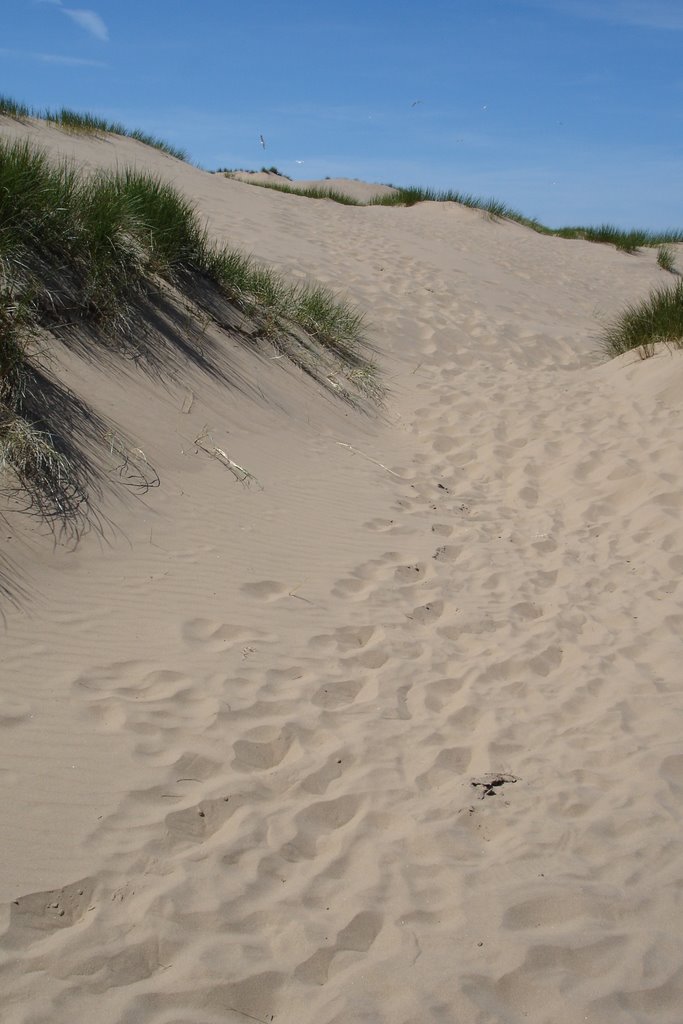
{"points": [[415, 103], [262, 141]]}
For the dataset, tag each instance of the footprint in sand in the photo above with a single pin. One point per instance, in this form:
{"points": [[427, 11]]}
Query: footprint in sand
{"points": [[426, 613], [38, 913], [357, 937], [318, 821], [265, 590], [380, 525], [350, 588], [450, 763], [338, 694], [263, 747], [319, 781], [195, 824], [208, 631], [13, 711], [410, 573], [447, 553]]}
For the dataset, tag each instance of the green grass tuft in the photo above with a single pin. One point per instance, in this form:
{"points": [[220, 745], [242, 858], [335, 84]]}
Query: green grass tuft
{"points": [[659, 318], [666, 259], [70, 243], [157, 143], [275, 170], [28, 453], [163, 220], [86, 124], [11, 108], [415, 194], [309, 192], [626, 241], [87, 255]]}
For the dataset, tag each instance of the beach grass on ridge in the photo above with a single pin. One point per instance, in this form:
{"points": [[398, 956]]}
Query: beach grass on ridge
{"points": [[642, 325], [87, 254], [86, 124], [628, 241]]}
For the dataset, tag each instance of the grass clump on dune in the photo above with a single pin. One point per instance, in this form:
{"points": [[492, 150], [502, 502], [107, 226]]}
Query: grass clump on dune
{"points": [[659, 318], [29, 453], [14, 109], [310, 192], [626, 241], [87, 257], [300, 321], [86, 124], [90, 124], [414, 194], [153, 140], [69, 243], [666, 259]]}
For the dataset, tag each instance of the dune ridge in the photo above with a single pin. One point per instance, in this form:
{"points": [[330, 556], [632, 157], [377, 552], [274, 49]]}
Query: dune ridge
{"points": [[394, 732]]}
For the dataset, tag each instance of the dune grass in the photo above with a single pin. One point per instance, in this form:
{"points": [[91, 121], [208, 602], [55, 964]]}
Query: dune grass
{"points": [[312, 192], [29, 453], [90, 124], [413, 194], [12, 108], [86, 254], [628, 241], [85, 124], [68, 243], [153, 140], [275, 170], [658, 318], [666, 259]]}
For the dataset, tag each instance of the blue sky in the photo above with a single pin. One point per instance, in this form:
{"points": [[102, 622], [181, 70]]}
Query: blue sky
{"points": [[568, 110]]}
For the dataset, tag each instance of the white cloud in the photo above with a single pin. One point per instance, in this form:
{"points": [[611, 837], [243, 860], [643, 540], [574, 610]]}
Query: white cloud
{"points": [[53, 58], [657, 14], [88, 20], [76, 62]]}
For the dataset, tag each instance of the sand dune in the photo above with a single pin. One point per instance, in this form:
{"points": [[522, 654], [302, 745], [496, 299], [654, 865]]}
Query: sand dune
{"points": [[362, 191], [394, 733]]}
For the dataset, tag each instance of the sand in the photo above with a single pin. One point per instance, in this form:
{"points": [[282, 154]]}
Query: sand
{"points": [[392, 734]]}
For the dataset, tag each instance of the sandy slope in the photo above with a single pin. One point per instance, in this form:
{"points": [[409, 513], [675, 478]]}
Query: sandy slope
{"points": [[240, 725]]}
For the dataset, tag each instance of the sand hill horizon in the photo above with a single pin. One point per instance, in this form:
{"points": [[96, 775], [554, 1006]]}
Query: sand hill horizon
{"points": [[340, 710]]}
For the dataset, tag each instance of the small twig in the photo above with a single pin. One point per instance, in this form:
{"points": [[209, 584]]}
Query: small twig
{"points": [[369, 458], [132, 458], [261, 1020], [225, 460], [190, 395]]}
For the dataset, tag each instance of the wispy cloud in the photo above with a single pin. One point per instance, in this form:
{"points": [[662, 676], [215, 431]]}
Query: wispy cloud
{"points": [[88, 20], [53, 58], [658, 14], [83, 17]]}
